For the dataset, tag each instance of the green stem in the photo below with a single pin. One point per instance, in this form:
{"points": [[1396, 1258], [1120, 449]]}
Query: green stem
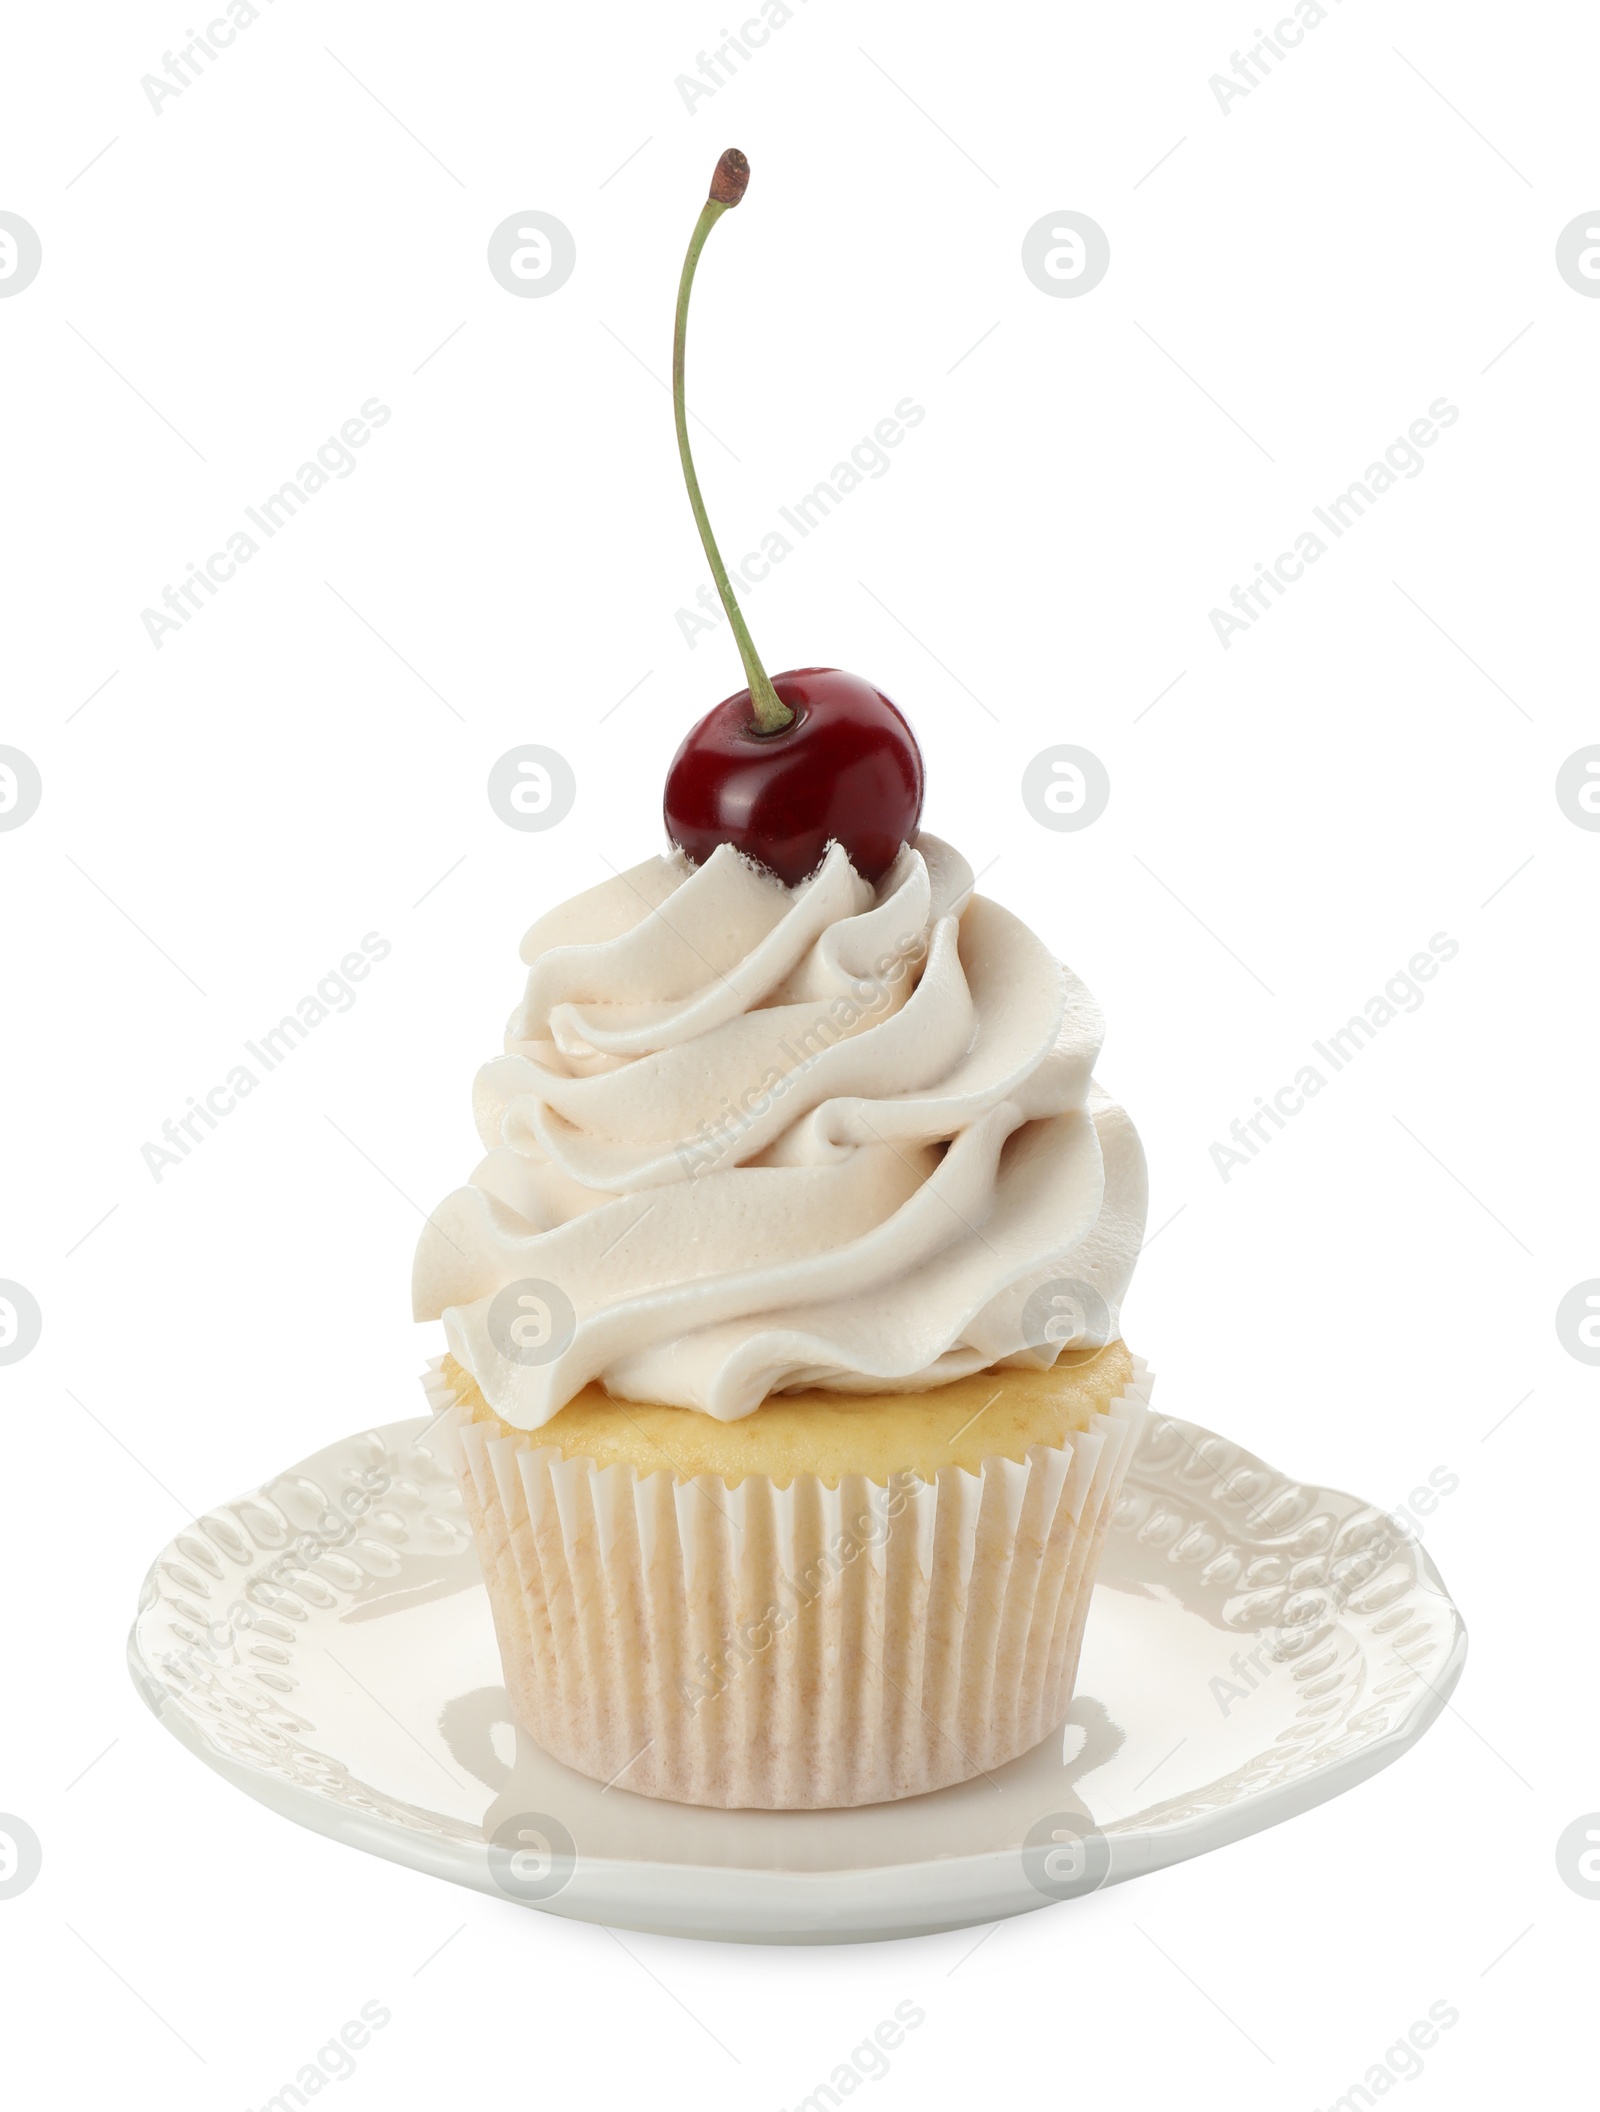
{"points": [[771, 713]]}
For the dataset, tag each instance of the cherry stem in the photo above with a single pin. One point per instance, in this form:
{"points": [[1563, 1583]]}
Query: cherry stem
{"points": [[728, 182]]}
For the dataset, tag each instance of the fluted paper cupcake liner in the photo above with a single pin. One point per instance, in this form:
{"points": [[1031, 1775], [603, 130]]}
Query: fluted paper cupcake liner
{"points": [[789, 1647]]}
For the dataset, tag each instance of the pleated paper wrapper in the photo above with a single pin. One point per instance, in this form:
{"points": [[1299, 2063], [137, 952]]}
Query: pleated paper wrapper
{"points": [[796, 1647]]}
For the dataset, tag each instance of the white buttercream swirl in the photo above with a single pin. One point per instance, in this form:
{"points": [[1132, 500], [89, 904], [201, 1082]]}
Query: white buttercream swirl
{"points": [[764, 1138]]}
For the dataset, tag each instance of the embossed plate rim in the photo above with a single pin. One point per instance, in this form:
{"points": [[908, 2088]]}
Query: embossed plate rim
{"points": [[901, 1896]]}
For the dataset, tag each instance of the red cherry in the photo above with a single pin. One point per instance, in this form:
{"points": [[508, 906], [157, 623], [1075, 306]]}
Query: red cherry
{"points": [[846, 768], [782, 768]]}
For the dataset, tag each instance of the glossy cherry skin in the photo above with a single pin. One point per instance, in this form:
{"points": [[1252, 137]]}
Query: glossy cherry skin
{"points": [[847, 767]]}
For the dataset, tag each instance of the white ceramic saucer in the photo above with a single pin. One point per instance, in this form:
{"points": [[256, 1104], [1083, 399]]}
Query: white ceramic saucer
{"points": [[1254, 1646]]}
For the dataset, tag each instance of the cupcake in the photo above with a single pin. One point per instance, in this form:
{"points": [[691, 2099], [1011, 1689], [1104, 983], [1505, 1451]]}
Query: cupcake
{"points": [[782, 1309], [782, 1328]]}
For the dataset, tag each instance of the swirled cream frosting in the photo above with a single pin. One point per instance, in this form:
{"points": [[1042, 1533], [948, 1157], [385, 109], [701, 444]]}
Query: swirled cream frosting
{"points": [[749, 1139]]}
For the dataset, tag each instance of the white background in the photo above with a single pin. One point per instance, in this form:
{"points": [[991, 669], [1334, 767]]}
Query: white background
{"points": [[1374, 762]]}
